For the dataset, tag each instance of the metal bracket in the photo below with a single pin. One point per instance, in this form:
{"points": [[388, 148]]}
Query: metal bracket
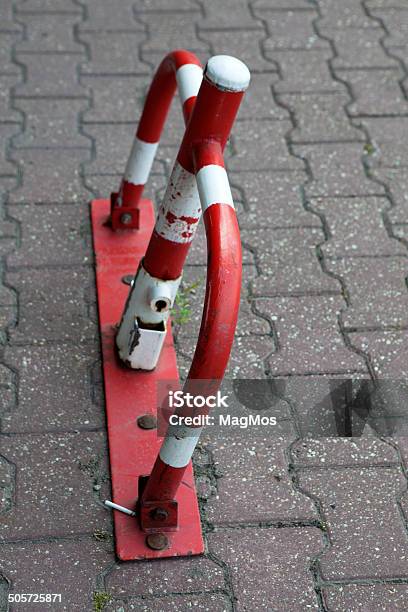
{"points": [[131, 394]]}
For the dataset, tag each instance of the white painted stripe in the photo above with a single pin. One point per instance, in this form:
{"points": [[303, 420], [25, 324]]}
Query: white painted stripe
{"points": [[181, 205], [213, 186], [228, 73], [179, 445], [189, 79], [140, 161]]}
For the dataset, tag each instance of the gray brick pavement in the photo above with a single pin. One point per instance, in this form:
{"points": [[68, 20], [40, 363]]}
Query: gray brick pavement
{"points": [[317, 165]]}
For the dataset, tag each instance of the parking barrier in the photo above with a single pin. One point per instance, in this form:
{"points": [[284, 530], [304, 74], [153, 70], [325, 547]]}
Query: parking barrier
{"points": [[167, 513]]}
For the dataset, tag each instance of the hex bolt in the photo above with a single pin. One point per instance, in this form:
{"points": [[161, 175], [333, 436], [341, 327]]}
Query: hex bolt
{"points": [[157, 541], [147, 421], [159, 514], [126, 218]]}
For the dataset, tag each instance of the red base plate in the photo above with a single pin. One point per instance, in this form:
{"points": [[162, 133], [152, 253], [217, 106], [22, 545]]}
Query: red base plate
{"points": [[131, 393]]}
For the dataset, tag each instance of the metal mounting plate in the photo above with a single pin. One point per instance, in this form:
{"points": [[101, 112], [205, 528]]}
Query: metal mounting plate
{"points": [[131, 393]]}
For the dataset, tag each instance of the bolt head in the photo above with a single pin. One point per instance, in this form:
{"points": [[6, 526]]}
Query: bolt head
{"points": [[157, 541], [128, 279], [159, 514], [147, 421], [126, 218]]}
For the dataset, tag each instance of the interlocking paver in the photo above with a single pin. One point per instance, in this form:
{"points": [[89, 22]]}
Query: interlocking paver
{"points": [[362, 597], [359, 48], [120, 56], [45, 405], [41, 311], [360, 508], [348, 14], [377, 291], [291, 30], [103, 17], [49, 175], [167, 32], [50, 75], [250, 468], [358, 452], [67, 566], [308, 336], [395, 20], [67, 236], [270, 565], [321, 117], [115, 98], [376, 92], [259, 102], [53, 472], [245, 44], [260, 145], [356, 227], [53, 123], [304, 71], [279, 272], [387, 134], [337, 170], [387, 351], [7, 113], [49, 33]]}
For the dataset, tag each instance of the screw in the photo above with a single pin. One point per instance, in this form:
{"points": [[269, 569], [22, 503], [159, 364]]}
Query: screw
{"points": [[157, 541], [159, 514], [127, 279], [147, 421], [126, 218]]}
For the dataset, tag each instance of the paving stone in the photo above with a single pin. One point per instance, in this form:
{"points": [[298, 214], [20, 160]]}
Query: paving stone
{"points": [[53, 305], [397, 183], [8, 395], [358, 452], [321, 117], [49, 6], [362, 597], [54, 388], [6, 112], [153, 6], [103, 16], [287, 262], [337, 170], [291, 30], [387, 134], [259, 101], [7, 66], [197, 255], [278, 5], [246, 45], [50, 175], [270, 567], [53, 123], [309, 337], [272, 199], [367, 535], [356, 227], [396, 22], [194, 286], [119, 57], [51, 486], [253, 482], [376, 92], [51, 75], [7, 22], [167, 32], [69, 567], [159, 578], [304, 71], [359, 48], [115, 98], [228, 15], [347, 15], [63, 229], [377, 291], [387, 351], [49, 33], [260, 145], [207, 602]]}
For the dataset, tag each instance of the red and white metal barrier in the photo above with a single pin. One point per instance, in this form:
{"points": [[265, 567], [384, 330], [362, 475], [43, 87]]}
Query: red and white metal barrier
{"points": [[198, 183], [179, 69]]}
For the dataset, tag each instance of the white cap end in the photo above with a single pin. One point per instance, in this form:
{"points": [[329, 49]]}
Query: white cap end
{"points": [[227, 72]]}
